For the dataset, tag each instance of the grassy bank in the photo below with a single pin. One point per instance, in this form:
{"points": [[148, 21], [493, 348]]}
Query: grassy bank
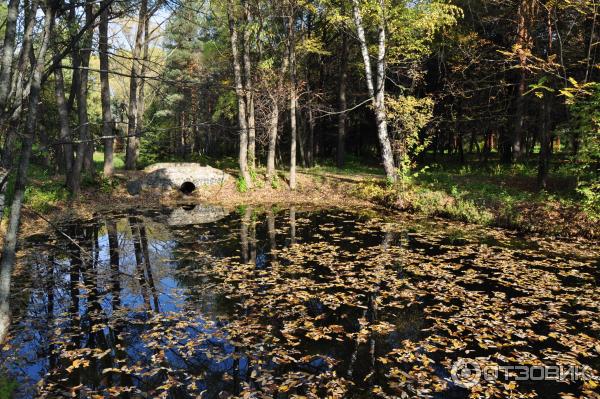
{"points": [[503, 196]]}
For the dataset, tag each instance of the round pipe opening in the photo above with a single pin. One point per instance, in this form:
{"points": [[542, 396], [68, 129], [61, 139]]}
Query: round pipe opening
{"points": [[187, 187]]}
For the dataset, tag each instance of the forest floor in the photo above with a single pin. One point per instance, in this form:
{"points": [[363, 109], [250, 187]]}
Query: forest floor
{"points": [[497, 197]]}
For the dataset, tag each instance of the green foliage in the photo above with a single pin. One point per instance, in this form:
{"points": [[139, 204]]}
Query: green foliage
{"points": [[107, 184], [590, 193], [42, 193], [585, 109], [241, 184], [584, 105], [275, 183], [408, 116], [226, 107], [7, 387], [413, 26]]}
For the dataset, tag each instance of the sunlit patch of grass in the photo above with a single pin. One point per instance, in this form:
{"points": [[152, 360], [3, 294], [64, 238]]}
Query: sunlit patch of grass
{"points": [[352, 166], [491, 195], [43, 191], [118, 161]]}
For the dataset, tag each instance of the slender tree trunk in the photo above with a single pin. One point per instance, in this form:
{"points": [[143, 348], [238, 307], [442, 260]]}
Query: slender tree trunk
{"points": [[83, 146], [273, 130], [239, 91], [341, 138], [310, 142], [377, 96], [65, 130], [524, 45], [10, 240], [107, 120], [17, 81], [546, 128], [545, 143], [249, 89], [274, 119], [44, 143], [8, 51], [293, 100], [19, 76], [139, 125], [132, 111]]}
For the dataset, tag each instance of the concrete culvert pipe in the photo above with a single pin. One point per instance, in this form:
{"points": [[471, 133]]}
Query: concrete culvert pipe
{"points": [[187, 187]]}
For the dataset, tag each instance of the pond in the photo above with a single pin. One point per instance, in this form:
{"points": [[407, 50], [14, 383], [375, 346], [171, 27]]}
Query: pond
{"points": [[197, 302]]}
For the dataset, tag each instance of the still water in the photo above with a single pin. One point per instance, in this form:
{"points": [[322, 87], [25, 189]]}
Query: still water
{"points": [[198, 302]]}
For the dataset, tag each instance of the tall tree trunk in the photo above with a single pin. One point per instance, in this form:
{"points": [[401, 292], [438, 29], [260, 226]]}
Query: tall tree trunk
{"points": [[18, 80], [273, 130], [10, 240], [107, 122], [132, 111], [293, 99], [377, 96], [8, 50], [20, 75], [249, 89], [341, 138], [80, 162], [545, 142], [65, 130], [310, 141], [139, 125], [239, 91], [546, 128], [524, 45], [274, 119]]}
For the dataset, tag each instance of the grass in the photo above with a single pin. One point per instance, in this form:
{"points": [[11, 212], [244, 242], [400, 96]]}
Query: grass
{"points": [[45, 190], [352, 166], [502, 195], [118, 161], [42, 193]]}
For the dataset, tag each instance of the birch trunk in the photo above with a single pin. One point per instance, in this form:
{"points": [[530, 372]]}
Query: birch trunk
{"points": [[377, 94], [293, 101]]}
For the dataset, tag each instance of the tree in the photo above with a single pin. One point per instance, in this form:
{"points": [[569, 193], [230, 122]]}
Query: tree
{"points": [[107, 122], [377, 91], [134, 80], [240, 94], [10, 240]]}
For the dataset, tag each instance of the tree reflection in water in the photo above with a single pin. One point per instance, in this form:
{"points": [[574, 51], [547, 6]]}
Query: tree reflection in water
{"points": [[279, 303]]}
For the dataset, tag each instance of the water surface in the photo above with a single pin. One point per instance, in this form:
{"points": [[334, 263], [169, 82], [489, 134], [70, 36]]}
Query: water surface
{"points": [[198, 302]]}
